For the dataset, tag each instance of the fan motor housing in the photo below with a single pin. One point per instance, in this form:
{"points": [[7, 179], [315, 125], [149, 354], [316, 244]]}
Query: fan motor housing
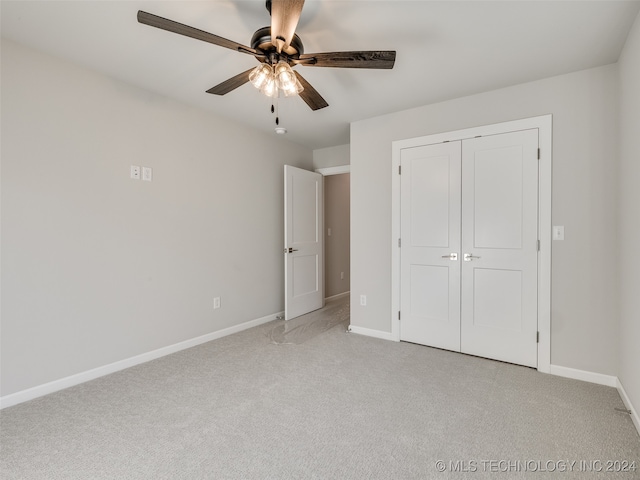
{"points": [[261, 40]]}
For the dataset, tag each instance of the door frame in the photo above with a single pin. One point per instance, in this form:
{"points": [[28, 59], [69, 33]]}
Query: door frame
{"points": [[328, 171], [544, 125]]}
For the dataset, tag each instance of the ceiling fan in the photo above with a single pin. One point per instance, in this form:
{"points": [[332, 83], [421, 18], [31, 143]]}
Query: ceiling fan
{"points": [[278, 49]]}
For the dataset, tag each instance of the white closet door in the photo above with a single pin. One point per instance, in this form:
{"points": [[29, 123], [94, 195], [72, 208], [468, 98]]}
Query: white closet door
{"points": [[499, 247], [430, 263], [469, 257]]}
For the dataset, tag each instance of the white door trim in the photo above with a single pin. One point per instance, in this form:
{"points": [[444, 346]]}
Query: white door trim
{"points": [[334, 170], [544, 124]]}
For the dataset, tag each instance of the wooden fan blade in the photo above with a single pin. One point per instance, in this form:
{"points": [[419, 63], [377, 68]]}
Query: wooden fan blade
{"points": [[175, 27], [231, 84], [310, 96], [285, 15], [384, 59]]}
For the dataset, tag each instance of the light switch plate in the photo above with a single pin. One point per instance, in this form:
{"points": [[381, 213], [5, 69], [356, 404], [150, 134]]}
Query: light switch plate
{"points": [[147, 174], [558, 232]]}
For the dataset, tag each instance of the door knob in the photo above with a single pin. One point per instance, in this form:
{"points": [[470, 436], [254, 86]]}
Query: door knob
{"points": [[290, 250], [468, 257], [451, 256]]}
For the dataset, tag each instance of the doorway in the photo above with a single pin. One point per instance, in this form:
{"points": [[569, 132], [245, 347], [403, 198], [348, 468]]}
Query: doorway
{"points": [[317, 237], [337, 235], [337, 230]]}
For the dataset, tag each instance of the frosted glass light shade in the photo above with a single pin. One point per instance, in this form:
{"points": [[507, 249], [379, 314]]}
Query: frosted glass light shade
{"points": [[261, 75], [286, 79], [269, 88]]}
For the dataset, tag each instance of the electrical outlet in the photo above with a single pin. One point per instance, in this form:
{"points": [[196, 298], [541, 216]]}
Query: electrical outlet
{"points": [[341, 275], [135, 172], [216, 303], [363, 300]]}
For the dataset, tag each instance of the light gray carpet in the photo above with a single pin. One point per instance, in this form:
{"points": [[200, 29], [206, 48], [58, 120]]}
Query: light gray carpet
{"points": [[294, 402]]}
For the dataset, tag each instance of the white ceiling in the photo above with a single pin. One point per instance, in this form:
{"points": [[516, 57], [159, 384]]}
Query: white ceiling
{"points": [[445, 49]]}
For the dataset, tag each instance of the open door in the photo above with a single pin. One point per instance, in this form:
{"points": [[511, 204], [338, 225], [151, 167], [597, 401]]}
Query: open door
{"points": [[303, 234]]}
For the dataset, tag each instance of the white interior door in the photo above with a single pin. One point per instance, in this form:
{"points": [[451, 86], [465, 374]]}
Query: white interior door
{"points": [[500, 247], [303, 253], [430, 263], [468, 261]]}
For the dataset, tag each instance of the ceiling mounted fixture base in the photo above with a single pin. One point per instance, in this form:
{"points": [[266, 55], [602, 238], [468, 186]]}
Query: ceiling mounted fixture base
{"points": [[261, 41]]}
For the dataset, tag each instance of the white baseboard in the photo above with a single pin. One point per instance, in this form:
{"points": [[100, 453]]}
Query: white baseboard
{"points": [[627, 402], [599, 378], [335, 297], [72, 380], [371, 333]]}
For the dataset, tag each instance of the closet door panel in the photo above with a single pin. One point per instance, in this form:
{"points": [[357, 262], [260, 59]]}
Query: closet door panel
{"points": [[429, 256], [499, 247]]}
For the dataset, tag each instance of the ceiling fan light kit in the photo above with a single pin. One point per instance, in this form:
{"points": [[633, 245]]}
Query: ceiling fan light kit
{"points": [[272, 79], [278, 49]]}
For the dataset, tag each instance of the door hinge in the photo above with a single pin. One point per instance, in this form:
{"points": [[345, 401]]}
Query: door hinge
{"points": [[399, 169], [538, 245], [399, 242], [537, 337], [538, 154], [398, 314]]}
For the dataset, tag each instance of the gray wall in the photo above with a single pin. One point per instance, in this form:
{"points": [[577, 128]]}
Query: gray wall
{"points": [[331, 156], [96, 267], [337, 218], [584, 329], [629, 238]]}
